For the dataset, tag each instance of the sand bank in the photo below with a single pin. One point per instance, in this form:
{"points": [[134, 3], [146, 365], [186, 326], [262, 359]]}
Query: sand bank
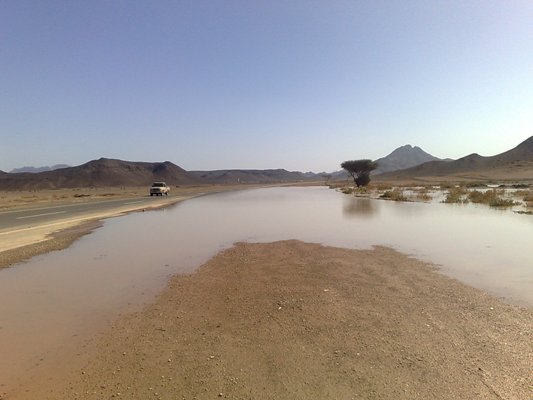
{"points": [[290, 320]]}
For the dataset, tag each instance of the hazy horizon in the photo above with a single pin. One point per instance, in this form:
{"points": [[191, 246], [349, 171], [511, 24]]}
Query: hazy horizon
{"points": [[258, 85], [61, 165]]}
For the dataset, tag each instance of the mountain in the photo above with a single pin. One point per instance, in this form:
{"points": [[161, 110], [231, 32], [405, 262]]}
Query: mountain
{"points": [[516, 161], [253, 176], [101, 173], [35, 170], [111, 173], [403, 157]]}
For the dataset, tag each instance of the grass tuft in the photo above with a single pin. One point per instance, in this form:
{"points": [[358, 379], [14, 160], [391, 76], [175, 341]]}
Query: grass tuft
{"points": [[491, 197], [395, 195], [456, 195]]}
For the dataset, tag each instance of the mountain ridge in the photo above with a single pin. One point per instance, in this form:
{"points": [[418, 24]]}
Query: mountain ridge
{"points": [[470, 163], [100, 173], [106, 172]]}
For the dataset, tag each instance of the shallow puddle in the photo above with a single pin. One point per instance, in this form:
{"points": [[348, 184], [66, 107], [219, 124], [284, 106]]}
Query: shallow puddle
{"points": [[64, 296]]}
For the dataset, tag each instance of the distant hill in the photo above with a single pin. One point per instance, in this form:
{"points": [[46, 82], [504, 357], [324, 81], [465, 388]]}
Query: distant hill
{"points": [[100, 173], [253, 176], [403, 157], [110, 172], [521, 155], [35, 170]]}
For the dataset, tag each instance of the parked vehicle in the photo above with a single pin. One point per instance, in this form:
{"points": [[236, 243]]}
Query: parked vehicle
{"points": [[159, 189]]}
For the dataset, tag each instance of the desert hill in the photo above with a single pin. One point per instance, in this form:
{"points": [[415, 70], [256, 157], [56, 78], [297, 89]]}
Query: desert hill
{"points": [[403, 157], [517, 161], [253, 176], [100, 173], [110, 172]]}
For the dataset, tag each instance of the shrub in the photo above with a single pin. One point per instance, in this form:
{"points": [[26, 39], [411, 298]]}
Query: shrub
{"points": [[500, 202], [383, 186], [491, 197], [395, 195], [423, 195], [347, 190], [456, 195]]}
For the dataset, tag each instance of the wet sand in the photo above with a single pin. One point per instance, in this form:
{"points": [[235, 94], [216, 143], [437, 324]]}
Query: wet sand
{"points": [[292, 320]]}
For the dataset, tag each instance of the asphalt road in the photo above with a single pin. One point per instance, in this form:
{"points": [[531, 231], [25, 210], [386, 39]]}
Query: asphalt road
{"points": [[39, 215]]}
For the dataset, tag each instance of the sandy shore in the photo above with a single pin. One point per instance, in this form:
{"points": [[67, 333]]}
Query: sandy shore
{"points": [[290, 320]]}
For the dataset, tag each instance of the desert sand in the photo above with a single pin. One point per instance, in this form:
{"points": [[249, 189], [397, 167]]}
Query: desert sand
{"points": [[293, 320]]}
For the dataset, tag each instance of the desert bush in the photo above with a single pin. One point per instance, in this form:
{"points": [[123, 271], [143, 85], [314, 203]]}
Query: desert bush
{"points": [[383, 186], [477, 197], [347, 190], [456, 195], [527, 196], [491, 197], [423, 195], [501, 202], [395, 195]]}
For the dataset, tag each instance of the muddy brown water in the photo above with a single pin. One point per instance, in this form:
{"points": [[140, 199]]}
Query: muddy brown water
{"points": [[55, 301]]}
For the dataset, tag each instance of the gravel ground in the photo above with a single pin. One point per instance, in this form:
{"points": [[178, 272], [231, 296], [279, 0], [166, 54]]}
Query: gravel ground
{"points": [[291, 320]]}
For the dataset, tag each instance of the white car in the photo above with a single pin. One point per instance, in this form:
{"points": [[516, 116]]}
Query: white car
{"points": [[159, 189]]}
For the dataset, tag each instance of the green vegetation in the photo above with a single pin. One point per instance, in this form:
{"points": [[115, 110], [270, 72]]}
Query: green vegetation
{"points": [[359, 170]]}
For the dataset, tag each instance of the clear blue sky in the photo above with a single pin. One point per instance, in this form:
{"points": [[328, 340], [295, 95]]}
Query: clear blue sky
{"points": [[301, 85]]}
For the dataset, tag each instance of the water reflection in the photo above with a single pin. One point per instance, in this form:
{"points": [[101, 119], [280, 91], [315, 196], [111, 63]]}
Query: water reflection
{"points": [[358, 207]]}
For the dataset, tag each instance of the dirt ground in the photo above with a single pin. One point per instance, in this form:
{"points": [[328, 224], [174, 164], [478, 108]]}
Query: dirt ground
{"points": [[291, 320]]}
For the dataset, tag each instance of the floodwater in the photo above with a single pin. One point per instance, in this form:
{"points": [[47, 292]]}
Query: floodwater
{"points": [[65, 296]]}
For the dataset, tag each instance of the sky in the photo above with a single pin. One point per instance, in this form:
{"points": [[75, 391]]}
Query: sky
{"points": [[300, 85]]}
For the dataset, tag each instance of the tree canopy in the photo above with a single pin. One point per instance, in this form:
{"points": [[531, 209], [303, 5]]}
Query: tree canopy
{"points": [[359, 170]]}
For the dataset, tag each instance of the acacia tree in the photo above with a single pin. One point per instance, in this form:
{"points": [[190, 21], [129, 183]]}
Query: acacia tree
{"points": [[359, 170]]}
